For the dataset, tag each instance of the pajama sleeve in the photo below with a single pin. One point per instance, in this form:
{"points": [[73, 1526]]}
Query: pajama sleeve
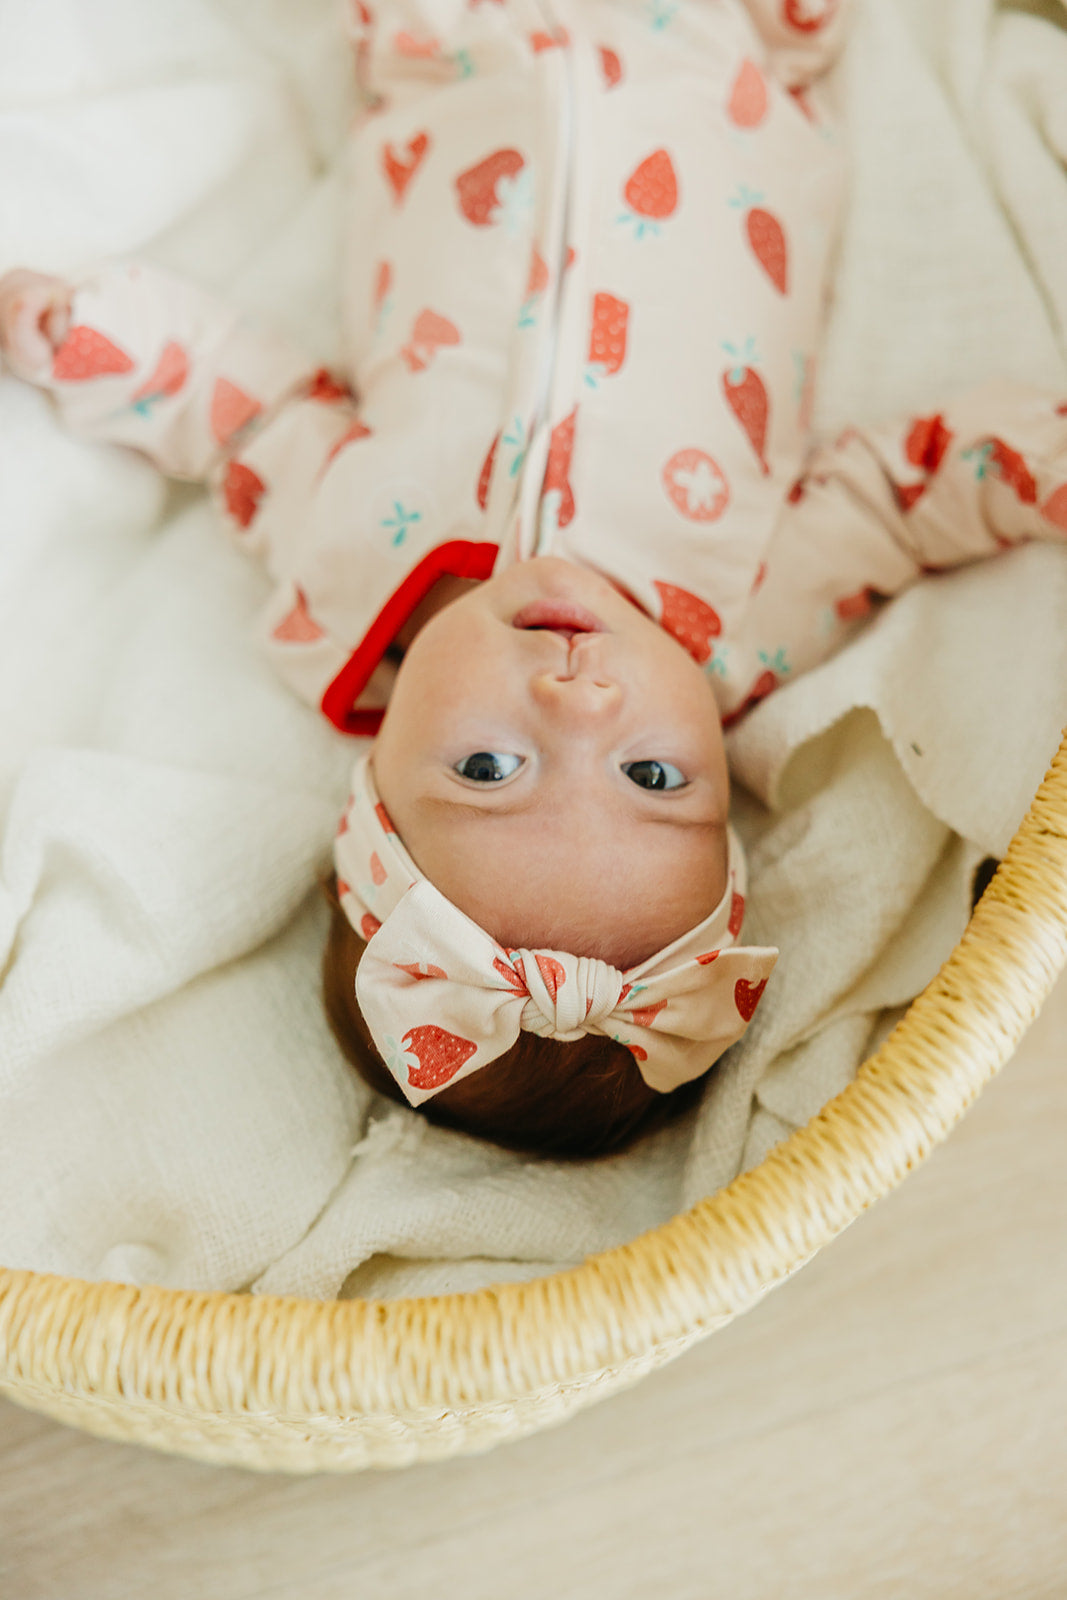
{"points": [[155, 363], [882, 505]]}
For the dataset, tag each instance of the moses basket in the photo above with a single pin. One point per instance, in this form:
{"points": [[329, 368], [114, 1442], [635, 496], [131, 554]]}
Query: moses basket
{"points": [[302, 1385]]}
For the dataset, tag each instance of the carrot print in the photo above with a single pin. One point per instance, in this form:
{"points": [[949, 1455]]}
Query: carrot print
{"points": [[746, 395], [766, 237]]}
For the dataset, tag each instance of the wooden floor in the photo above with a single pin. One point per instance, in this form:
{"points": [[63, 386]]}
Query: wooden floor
{"points": [[889, 1424]]}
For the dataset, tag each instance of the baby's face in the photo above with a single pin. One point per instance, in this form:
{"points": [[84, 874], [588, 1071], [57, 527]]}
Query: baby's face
{"points": [[554, 763]]}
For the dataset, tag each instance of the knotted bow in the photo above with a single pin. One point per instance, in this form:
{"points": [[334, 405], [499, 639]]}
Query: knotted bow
{"points": [[441, 998]]}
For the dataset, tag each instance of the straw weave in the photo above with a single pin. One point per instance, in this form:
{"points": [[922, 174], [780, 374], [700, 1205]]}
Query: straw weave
{"points": [[301, 1385]]}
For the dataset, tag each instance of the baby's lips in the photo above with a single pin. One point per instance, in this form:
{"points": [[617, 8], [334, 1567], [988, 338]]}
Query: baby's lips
{"points": [[557, 615]]}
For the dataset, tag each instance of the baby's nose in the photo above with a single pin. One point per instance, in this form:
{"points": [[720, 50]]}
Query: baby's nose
{"points": [[582, 700]]}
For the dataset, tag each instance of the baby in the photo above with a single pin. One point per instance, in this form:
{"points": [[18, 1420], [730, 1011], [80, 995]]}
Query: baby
{"points": [[561, 516]]}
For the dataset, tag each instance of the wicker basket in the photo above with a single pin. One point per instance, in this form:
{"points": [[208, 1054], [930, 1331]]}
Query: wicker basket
{"points": [[301, 1386]]}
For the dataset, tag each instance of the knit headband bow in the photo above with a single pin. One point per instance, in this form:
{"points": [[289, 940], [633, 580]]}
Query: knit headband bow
{"points": [[441, 998]]}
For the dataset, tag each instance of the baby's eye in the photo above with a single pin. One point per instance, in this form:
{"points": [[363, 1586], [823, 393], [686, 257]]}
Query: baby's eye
{"points": [[488, 766], [655, 775]]}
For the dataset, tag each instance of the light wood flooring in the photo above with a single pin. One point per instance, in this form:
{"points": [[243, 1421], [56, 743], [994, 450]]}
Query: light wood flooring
{"points": [[891, 1424]]}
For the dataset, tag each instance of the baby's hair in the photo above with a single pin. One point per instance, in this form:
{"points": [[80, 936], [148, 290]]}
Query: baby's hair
{"points": [[585, 1098]]}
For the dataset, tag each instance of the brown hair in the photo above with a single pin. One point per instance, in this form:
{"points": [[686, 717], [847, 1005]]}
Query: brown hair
{"points": [[586, 1098]]}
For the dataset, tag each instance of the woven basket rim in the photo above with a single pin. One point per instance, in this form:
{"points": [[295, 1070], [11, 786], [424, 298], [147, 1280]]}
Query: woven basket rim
{"points": [[241, 1354]]}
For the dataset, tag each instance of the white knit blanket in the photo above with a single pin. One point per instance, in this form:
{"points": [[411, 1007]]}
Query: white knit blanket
{"points": [[172, 1106]]}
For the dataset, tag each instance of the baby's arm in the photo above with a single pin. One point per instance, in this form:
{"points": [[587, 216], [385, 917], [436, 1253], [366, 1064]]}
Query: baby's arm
{"points": [[882, 505], [138, 357], [135, 356]]}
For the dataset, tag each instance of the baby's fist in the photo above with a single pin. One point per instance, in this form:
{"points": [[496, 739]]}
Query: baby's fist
{"points": [[34, 321]]}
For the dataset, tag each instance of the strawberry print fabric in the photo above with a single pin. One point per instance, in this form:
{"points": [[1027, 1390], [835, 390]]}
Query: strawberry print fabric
{"points": [[441, 998], [588, 250]]}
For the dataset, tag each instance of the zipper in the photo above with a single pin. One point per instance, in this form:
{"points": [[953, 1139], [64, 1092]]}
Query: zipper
{"points": [[526, 505]]}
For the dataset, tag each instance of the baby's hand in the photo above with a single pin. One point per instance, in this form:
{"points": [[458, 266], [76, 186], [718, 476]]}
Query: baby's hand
{"points": [[34, 320]]}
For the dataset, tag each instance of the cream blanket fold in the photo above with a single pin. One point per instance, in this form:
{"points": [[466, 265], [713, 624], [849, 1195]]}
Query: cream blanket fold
{"points": [[172, 1106]]}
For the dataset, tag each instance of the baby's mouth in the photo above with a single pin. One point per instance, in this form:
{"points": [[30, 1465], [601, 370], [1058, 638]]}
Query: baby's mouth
{"points": [[557, 616]]}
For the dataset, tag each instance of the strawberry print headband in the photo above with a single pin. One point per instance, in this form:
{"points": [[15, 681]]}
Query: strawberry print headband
{"points": [[441, 998]]}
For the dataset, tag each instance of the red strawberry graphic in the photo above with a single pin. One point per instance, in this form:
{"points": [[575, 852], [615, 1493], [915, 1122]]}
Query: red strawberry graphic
{"points": [[377, 871], [368, 924], [607, 339], [538, 273], [343, 888], [747, 396], [761, 573], [325, 387], [927, 441], [636, 1051], [645, 1016], [419, 970], [231, 410], [610, 66], [400, 167], [708, 957], [1054, 509], [242, 490], [688, 619], [558, 466], [747, 105], [853, 606], [1012, 470], [440, 1053], [514, 980], [476, 189], [652, 190], [808, 16], [747, 996], [430, 333], [486, 474], [737, 914], [383, 282], [383, 818], [356, 430], [553, 975], [168, 375], [695, 484], [298, 626], [556, 40], [767, 238], [86, 354]]}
